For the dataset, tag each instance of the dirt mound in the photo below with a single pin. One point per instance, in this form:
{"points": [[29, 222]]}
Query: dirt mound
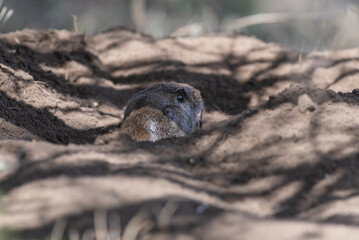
{"points": [[277, 156]]}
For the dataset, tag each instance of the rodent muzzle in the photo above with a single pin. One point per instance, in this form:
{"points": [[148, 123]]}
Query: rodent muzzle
{"points": [[169, 112]]}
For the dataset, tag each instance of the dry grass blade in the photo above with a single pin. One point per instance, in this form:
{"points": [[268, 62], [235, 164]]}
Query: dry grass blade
{"points": [[74, 234], [100, 220], [262, 18], [138, 13], [167, 212], [89, 234], [59, 228], [74, 21], [191, 30], [3, 13], [114, 227], [138, 224], [7, 16]]}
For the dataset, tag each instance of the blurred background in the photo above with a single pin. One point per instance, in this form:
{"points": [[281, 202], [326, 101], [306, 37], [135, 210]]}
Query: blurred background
{"points": [[304, 25]]}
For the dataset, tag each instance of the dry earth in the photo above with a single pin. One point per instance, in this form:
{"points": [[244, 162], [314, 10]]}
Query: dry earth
{"points": [[277, 158]]}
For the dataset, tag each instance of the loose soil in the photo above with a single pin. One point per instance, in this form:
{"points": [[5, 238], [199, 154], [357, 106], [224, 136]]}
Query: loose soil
{"points": [[277, 157]]}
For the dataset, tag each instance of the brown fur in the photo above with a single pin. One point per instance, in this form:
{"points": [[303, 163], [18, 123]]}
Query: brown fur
{"points": [[156, 113], [150, 124]]}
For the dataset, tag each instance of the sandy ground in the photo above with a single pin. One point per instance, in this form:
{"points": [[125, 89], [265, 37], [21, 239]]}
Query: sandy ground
{"points": [[277, 157]]}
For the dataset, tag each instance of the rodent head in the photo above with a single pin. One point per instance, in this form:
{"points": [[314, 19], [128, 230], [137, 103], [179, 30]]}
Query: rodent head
{"points": [[180, 102]]}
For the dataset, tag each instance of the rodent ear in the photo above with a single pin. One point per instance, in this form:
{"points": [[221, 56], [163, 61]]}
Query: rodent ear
{"points": [[135, 103], [192, 94]]}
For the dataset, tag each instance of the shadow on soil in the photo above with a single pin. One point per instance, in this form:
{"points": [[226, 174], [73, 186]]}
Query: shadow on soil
{"points": [[308, 174], [221, 92]]}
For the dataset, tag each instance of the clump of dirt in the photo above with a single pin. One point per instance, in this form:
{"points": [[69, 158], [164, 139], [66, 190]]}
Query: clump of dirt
{"points": [[276, 158]]}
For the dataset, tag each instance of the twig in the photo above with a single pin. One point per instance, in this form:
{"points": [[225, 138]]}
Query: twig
{"points": [[74, 21], [264, 18]]}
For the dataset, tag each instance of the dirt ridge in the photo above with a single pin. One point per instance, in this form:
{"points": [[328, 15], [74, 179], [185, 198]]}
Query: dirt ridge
{"points": [[277, 156]]}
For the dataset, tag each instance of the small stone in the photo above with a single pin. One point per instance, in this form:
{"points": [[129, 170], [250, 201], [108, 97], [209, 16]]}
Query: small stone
{"points": [[356, 92], [94, 104], [3, 166], [201, 208], [305, 103], [192, 161], [21, 154]]}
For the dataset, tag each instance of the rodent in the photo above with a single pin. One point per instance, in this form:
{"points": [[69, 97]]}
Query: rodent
{"points": [[163, 110]]}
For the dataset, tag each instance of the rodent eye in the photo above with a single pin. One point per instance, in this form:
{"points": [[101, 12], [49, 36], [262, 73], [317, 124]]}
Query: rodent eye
{"points": [[180, 97]]}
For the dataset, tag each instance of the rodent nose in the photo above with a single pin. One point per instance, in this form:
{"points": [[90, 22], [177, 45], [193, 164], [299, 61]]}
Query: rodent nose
{"points": [[169, 112]]}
